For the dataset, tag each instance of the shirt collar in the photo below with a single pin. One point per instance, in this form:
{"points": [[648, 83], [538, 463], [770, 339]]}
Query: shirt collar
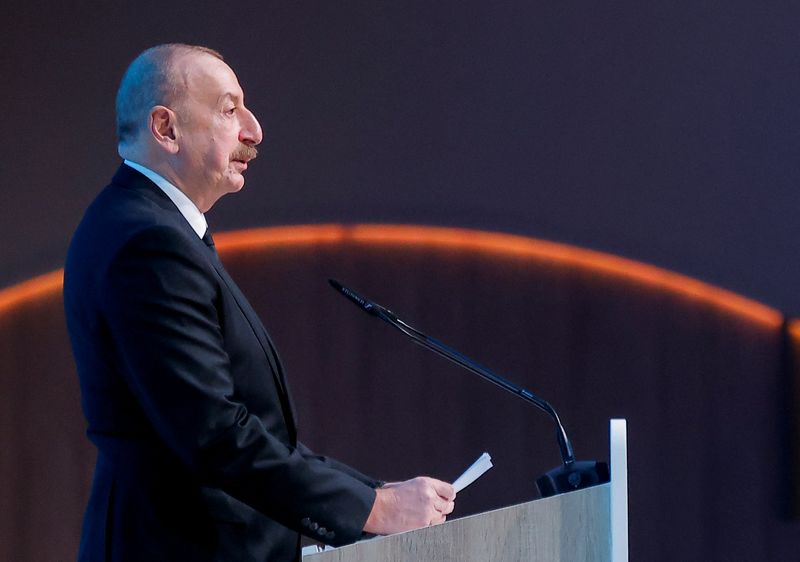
{"points": [[189, 210]]}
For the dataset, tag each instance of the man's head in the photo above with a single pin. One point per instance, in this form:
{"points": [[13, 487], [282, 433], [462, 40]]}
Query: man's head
{"points": [[181, 112]]}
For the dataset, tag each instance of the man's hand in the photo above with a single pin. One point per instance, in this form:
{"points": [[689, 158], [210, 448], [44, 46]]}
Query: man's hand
{"points": [[403, 506]]}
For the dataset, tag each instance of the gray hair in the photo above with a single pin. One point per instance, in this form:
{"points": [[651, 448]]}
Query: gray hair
{"points": [[150, 81]]}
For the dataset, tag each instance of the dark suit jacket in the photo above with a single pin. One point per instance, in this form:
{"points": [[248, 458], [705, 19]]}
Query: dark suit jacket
{"points": [[186, 400]]}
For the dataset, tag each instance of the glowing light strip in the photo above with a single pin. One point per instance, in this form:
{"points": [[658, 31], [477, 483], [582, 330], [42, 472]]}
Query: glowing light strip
{"points": [[454, 239], [794, 331], [33, 289], [277, 236], [510, 245]]}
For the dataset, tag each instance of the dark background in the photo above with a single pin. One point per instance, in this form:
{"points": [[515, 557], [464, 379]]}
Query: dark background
{"points": [[666, 132], [662, 132]]}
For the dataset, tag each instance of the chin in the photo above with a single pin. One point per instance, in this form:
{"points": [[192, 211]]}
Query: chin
{"points": [[235, 185]]}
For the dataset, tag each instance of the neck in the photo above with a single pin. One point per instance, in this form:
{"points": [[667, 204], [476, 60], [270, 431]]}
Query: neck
{"points": [[168, 172]]}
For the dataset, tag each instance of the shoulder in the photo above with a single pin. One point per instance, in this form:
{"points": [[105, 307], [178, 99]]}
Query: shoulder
{"points": [[131, 224], [125, 210]]}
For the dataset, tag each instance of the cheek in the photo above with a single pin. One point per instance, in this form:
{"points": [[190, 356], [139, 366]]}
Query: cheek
{"points": [[224, 151], [217, 157]]}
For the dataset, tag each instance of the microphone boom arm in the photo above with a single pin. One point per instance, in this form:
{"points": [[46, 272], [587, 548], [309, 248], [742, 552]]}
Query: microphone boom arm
{"points": [[374, 309], [571, 475], [443, 350]]}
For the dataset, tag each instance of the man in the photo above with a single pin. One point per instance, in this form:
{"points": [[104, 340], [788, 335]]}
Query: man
{"points": [[184, 394]]}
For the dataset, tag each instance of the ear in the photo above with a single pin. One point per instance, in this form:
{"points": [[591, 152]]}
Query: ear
{"points": [[163, 128]]}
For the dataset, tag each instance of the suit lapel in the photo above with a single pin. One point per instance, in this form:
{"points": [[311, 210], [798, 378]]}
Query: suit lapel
{"points": [[263, 338]]}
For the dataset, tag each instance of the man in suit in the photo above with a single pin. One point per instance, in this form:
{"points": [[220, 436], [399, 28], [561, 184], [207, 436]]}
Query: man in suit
{"points": [[184, 394]]}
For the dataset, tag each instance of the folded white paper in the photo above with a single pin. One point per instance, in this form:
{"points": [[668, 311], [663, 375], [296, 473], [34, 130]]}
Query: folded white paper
{"points": [[474, 472]]}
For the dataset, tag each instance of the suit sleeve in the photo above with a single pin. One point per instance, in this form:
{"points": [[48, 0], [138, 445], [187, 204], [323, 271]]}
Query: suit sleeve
{"points": [[158, 298], [340, 466]]}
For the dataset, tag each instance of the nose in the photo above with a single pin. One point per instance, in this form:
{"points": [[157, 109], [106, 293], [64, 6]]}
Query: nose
{"points": [[250, 132]]}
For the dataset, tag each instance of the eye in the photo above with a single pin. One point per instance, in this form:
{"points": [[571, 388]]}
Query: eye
{"points": [[230, 111]]}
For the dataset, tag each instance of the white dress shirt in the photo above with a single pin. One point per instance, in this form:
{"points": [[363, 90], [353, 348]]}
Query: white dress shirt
{"points": [[189, 210]]}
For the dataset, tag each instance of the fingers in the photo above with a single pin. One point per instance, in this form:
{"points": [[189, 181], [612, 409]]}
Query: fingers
{"points": [[445, 490], [443, 495], [415, 503], [445, 508]]}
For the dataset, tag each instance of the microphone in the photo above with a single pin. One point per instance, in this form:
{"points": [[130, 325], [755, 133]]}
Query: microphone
{"points": [[571, 475]]}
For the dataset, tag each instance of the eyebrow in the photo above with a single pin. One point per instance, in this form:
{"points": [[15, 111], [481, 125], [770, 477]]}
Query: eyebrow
{"points": [[230, 95]]}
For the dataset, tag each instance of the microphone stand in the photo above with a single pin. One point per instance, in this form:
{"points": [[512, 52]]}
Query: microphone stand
{"points": [[571, 475]]}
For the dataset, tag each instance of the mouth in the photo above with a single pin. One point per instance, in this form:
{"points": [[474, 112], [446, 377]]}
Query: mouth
{"points": [[241, 163], [243, 155]]}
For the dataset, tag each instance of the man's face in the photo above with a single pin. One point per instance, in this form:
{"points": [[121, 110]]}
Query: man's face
{"points": [[216, 132]]}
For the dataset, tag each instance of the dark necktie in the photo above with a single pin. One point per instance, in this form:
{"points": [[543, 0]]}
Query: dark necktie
{"points": [[209, 240]]}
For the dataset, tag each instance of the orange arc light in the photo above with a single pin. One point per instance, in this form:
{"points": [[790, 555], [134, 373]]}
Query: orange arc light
{"points": [[31, 290], [457, 239], [509, 245], [794, 330]]}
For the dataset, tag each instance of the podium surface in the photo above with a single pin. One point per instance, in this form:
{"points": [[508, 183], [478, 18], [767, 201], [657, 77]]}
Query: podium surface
{"points": [[573, 527], [588, 525]]}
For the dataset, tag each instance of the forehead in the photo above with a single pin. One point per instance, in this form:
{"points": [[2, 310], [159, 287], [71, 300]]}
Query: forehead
{"points": [[206, 78]]}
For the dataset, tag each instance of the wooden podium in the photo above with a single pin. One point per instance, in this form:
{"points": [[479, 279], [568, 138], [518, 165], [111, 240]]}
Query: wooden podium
{"points": [[588, 525]]}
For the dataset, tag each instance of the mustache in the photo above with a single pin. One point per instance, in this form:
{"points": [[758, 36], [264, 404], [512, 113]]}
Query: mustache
{"points": [[245, 153]]}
